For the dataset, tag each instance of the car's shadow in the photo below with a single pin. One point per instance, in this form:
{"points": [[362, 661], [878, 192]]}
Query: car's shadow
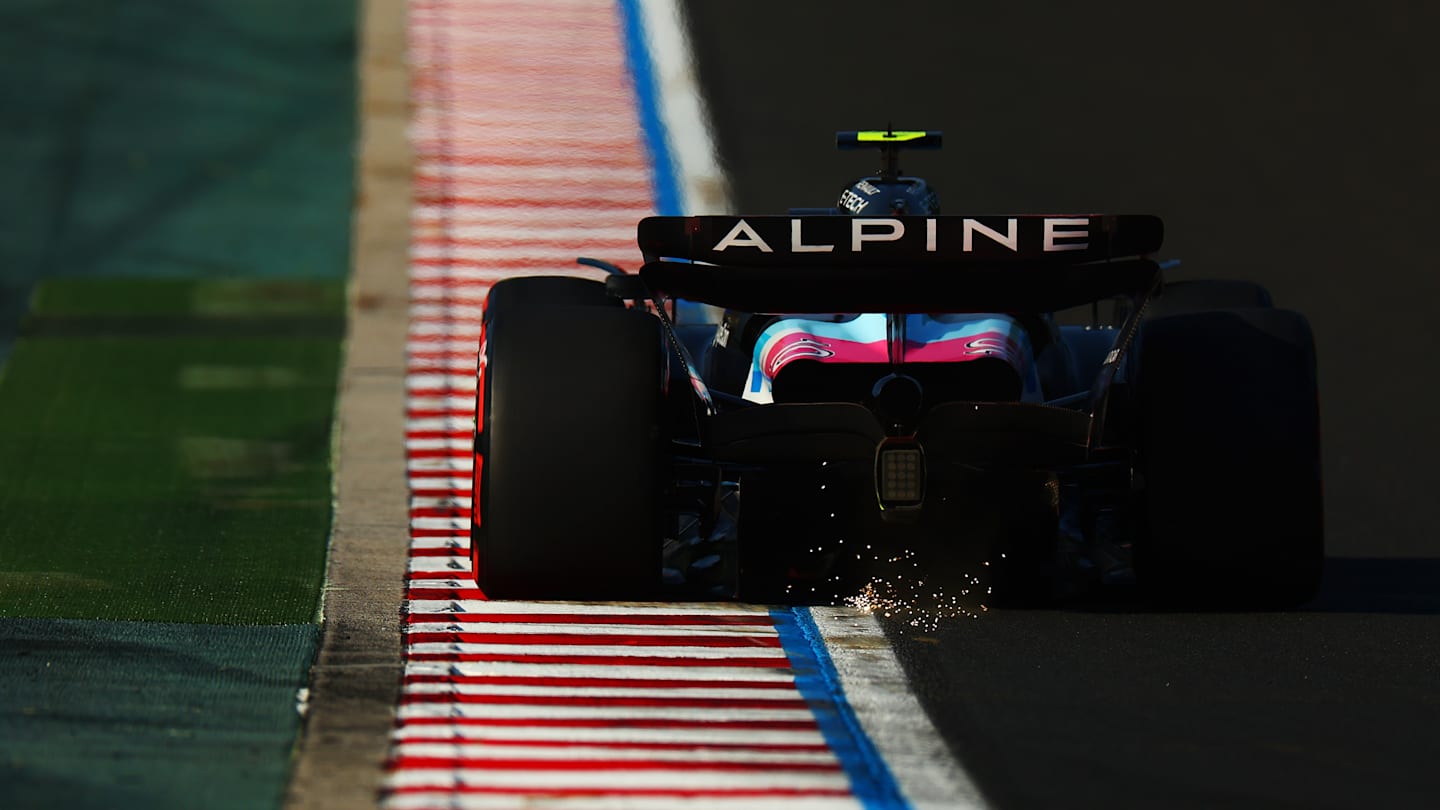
{"points": [[1407, 586], [1397, 585]]}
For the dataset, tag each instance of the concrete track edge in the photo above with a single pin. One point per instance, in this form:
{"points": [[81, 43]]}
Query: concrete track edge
{"points": [[356, 677]]}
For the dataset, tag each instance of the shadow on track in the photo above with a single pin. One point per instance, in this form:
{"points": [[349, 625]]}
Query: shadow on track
{"points": [[1397, 586], [1408, 586]]}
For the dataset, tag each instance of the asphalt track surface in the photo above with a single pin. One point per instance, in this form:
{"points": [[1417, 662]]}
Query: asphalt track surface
{"points": [[1288, 145]]}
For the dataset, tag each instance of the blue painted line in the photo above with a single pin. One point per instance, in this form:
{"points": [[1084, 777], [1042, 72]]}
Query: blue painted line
{"points": [[819, 684], [663, 179]]}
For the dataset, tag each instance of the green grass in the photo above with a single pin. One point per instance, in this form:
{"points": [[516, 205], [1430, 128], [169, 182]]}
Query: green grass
{"points": [[213, 300], [165, 449]]}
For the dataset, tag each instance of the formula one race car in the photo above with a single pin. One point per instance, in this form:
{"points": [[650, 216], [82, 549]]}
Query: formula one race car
{"points": [[899, 400]]}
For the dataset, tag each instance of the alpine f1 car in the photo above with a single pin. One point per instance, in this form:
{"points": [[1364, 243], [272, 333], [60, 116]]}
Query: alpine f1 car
{"points": [[894, 396]]}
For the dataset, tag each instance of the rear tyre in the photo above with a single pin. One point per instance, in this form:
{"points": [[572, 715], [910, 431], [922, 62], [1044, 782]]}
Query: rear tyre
{"points": [[532, 292], [1229, 456], [568, 452]]}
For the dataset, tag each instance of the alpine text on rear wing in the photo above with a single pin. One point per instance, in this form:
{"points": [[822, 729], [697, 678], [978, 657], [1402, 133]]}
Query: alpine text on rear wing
{"points": [[900, 264], [852, 241]]}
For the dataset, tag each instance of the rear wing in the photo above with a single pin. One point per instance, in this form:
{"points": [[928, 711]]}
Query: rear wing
{"points": [[900, 264]]}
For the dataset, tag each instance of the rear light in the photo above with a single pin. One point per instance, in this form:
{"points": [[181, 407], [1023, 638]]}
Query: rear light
{"points": [[900, 474]]}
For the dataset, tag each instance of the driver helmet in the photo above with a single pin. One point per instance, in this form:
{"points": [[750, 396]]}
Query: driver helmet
{"points": [[875, 196]]}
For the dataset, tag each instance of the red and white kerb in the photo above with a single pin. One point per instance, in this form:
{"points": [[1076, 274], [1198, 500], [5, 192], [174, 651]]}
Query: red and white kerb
{"points": [[529, 154]]}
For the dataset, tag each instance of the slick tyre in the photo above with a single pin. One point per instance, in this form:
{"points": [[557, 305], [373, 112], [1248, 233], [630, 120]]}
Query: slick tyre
{"points": [[527, 293], [1229, 459], [568, 452]]}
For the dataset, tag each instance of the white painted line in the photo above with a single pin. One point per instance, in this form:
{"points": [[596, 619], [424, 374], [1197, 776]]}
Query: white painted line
{"points": [[682, 106], [427, 344], [440, 222], [417, 483], [761, 615], [502, 669], [694, 735], [597, 629], [778, 692], [439, 444], [457, 365], [463, 402], [443, 424], [450, 295], [461, 557], [472, 212], [503, 172], [583, 753], [893, 719], [432, 800], [425, 329], [450, 502], [460, 524], [452, 382], [446, 311], [438, 361], [689, 779], [560, 255], [523, 39], [441, 464], [456, 501], [566, 232], [477, 124], [549, 267], [606, 650], [465, 584], [460, 544], [487, 711], [455, 565]]}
